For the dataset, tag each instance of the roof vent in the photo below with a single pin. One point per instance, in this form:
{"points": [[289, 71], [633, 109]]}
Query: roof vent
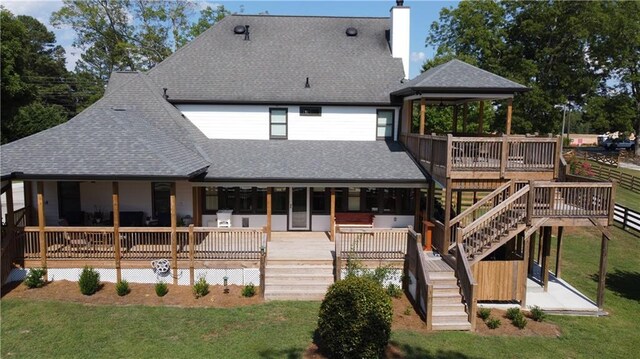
{"points": [[119, 109], [246, 32], [239, 30], [352, 31], [307, 85]]}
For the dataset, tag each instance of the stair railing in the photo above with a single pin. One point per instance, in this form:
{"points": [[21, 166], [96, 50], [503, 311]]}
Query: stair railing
{"points": [[467, 284], [491, 224], [478, 209]]}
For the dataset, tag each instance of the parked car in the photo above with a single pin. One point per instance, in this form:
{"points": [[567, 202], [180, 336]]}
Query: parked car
{"points": [[626, 144]]}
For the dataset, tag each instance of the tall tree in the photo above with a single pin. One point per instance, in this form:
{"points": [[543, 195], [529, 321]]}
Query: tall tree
{"points": [[34, 80]]}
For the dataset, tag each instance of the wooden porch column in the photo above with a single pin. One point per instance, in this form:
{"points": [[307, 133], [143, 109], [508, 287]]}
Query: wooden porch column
{"points": [[197, 205], [559, 253], [43, 240], [332, 215], [191, 255], [174, 235], [269, 212], [11, 224], [406, 117], [481, 118], [509, 110], [532, 249], [525, 273], [447, 213], [546, 248], [423, 110], [465, 115], [28, 202], [416, 217], [455, 119], [602, 274], [431, 199], [115, 196], [540, 238]]}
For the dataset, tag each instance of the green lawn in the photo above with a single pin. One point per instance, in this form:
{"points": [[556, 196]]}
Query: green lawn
{"points": [[282, 330]]}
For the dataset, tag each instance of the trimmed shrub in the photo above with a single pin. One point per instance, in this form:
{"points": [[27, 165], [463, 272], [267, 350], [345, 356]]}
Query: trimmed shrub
{"points": [[394, 291], [513, 312], [89, 281], [249, 290], [355, 319], [493, 323], [484, 313], [161, 289], [537, 314], [122, 288], [519, 321], [201, 288], [35, 278]]}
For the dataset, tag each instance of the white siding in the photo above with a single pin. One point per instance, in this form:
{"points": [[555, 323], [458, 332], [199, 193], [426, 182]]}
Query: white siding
{"points": [[337, 123]]}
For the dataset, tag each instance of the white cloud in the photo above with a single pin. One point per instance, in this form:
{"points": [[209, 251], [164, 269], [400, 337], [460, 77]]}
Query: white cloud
{"points": [[40, 9], [418, 56]]}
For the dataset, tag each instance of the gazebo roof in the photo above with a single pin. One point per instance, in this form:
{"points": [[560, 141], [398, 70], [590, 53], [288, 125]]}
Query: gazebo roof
{"points": [[458, 77]]}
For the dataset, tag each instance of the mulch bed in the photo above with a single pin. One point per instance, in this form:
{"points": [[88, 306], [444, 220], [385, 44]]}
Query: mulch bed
{"points": [[533, 328], [141, 294]]}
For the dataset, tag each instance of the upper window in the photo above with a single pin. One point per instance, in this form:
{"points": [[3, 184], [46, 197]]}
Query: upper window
{"points": [[385, 125], [310, 111], [278, 123]]}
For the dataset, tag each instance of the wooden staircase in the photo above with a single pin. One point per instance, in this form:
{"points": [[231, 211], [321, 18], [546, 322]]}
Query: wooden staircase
{"points": [[448, 311]]}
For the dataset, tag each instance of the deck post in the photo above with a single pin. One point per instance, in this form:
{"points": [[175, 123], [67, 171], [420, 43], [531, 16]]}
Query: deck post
{"points": [[28, 202], [465, 115], [532, 249], [269, 213], [509, 111], [540, 240], [11, 224], [559, 253], [332, 215], [197, 215], [602, 274], [481, 118], [115, 196], [431, 199], [423, 110], [546, 248], [174, 236], [43, 240], [525, 272], [447, 214], [191, 256], [455, 119]]}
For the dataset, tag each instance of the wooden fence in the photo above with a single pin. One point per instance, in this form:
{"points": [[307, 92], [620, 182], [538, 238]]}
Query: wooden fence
{"points": [[499, 280], [418, 284], [605, 173], [627, 217], [371, 243]]}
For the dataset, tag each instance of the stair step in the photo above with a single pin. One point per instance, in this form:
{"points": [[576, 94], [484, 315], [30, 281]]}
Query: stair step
{"points": [[279, 288], [441, 292], [449, 317], [448, 307], [298, 269], [435, 276], [452, 285], [294, 296], [451, 326]]}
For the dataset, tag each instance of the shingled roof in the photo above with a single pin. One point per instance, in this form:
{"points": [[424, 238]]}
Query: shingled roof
{"points": [[128, 133], [311, 161], [281, 53], [458, 76]]}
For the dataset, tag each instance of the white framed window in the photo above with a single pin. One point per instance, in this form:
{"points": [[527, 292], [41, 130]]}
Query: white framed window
{"points": [[278, 123], [384, 124]]}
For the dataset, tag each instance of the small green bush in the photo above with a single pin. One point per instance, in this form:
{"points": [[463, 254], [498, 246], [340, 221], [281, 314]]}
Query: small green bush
{"points": [[122, 288], [201, 288], [493, 323], [249, 290], [513, 312], [394, 291], [161, 289], [355, 319], [537, 314], [519, 321], [484, 313], [408, 310], [89, 281], [35, 278]]}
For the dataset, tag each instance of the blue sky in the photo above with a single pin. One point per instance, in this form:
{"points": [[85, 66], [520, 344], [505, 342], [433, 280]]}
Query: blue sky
{"points": [[423, 13]]}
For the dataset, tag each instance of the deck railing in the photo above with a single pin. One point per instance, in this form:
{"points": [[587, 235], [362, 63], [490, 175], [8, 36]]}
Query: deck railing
{"points": [[371, 243], [467, 284], [445, 155], [572, 199], [144, 243]]}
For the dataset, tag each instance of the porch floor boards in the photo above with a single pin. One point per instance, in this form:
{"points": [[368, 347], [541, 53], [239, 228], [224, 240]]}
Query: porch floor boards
{"points": [[435, 263], [302, 246]]}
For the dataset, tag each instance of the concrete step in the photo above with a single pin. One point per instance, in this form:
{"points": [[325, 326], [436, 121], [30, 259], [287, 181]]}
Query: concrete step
{"points": [[451, 326]]}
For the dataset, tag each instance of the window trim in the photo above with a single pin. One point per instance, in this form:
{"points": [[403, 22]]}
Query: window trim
{"points": [[286, 124], [393, 120], [311, 114]]}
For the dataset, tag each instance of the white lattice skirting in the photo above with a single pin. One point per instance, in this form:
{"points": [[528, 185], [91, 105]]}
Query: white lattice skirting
{"points": [[237, 276]]}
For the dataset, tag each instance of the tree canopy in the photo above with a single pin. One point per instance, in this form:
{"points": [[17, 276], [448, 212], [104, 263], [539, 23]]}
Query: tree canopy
{"points": [[583, 53]]}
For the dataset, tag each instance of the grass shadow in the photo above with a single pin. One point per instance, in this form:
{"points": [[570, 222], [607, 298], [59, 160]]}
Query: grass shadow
{"points": [[405, 351], [289, 353], [622, 282]]}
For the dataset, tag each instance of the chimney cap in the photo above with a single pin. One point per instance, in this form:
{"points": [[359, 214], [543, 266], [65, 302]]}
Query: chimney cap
{"points": [[400, 2]]}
